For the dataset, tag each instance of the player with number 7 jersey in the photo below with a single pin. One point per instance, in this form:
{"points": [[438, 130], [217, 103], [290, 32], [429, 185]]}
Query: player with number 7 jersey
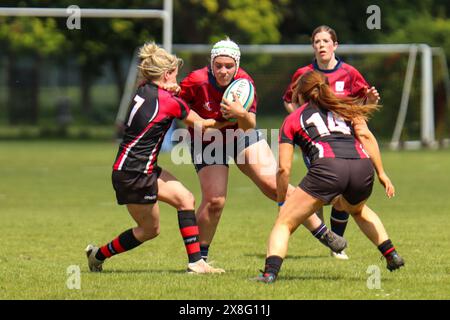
{"points": [[151, 114], [138, 181]]}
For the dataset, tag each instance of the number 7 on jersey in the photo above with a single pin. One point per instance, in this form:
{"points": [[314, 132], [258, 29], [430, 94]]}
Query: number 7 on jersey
{"points": [[139, 101]]}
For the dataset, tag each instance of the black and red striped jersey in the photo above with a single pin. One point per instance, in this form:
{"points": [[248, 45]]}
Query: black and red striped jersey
{"points": [[321, 134], [150, 115], [344, 80]]}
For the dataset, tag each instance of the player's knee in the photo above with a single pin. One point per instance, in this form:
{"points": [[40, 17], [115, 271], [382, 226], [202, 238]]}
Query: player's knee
{"points": [[290, 190], [216, 204], [287, 223], [186, 201], [355, 213], [269, 187]]}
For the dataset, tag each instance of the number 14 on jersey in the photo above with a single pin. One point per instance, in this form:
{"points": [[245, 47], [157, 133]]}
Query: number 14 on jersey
{"points": [[334, 124]]}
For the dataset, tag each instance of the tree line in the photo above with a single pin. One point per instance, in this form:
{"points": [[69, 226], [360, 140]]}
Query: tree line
{"points": [[27, 41]]}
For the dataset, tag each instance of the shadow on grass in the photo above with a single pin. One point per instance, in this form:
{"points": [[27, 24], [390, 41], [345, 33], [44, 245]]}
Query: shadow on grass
{"points": [[263, 256], [324, 277], [316, 277], [142, 271]]}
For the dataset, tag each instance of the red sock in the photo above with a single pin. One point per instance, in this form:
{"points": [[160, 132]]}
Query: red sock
{"points": [[189, 231]]}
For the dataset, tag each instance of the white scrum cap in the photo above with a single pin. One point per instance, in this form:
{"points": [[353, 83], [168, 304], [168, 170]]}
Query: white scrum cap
{"points": [[226, 48]]}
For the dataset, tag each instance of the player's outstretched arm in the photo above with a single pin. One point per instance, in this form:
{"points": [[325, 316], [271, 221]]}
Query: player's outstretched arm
{"points": [[370, 144], [193, 119], [285, 155]]}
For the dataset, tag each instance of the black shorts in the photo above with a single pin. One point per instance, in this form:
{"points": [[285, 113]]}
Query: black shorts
{"points": [[136, 187], [330, 177], [209, 154]]}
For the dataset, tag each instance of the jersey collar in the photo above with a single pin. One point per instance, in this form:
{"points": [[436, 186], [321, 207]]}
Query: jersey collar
{"points": [[337, 66]]}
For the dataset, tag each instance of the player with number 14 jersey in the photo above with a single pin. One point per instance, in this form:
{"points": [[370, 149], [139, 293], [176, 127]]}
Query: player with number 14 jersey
{"points": [[321, 134]]}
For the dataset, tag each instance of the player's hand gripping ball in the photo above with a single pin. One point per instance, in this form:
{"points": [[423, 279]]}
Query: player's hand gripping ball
{"points": [[244, 91]]}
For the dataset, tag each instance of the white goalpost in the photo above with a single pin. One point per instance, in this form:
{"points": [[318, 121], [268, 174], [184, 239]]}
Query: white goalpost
{"points": [[426, 53], [166, 15]]}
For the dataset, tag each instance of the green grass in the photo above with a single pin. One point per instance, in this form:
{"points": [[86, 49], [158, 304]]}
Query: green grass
{"points": [[55, 197]]}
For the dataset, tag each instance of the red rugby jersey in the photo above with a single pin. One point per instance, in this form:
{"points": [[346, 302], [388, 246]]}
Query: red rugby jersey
{"points": [[150, 115], [200, 90], [320, 134], [344, 80]]}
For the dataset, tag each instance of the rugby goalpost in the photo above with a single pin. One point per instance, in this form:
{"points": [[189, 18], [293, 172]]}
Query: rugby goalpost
{"points": [[165, 14], [427, 125], [427, 130]]}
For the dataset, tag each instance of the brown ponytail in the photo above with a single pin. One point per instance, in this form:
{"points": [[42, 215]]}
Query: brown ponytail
{"points": [[313, 87]]}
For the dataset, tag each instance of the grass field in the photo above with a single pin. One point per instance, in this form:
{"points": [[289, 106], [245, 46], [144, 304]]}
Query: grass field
{"points": [[56, 197]]}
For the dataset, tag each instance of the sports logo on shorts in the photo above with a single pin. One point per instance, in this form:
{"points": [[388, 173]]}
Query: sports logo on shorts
{"points": [[339, 86], [150, 197]]}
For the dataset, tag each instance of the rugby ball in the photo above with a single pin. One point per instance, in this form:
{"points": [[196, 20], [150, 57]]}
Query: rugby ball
{"points": [[244, 91]]}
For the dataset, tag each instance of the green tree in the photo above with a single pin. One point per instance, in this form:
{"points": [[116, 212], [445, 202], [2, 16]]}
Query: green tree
{"points": [[103, 41], [27, 41], [245, 21], [433, 31], [402, 21], [97, 43]]}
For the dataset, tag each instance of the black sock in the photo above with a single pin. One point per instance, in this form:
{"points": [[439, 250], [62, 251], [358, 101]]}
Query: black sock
{"points": [[386, 247], [338, 220], [204, 248], [273, 265], [318, 233], [124, 242], [189, 231]]}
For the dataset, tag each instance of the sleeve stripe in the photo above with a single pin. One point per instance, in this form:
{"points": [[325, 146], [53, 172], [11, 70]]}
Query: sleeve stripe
{"points": [[183, 108]]}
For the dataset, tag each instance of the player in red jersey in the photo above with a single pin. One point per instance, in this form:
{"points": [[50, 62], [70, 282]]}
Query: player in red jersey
{"points": [[328, 129], [203, 90], [137, 179], [345, 81]]}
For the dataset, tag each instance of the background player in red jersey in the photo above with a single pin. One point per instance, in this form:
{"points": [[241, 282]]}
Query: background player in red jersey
{"points": [[137, 179], [203, 89], [345, 81], [327, 129]]}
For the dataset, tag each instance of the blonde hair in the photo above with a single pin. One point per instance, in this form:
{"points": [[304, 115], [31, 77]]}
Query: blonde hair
{"points": [[155, 61], [313, 86]]}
